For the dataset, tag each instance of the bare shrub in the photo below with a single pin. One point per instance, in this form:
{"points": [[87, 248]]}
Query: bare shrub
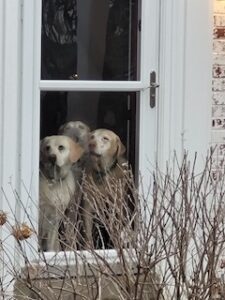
{"points": [[164, 243]]}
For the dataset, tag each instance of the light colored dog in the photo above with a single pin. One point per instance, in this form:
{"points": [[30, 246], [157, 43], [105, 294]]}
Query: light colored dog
{"points": [[104, 173], [77, 131], [56, 185]]}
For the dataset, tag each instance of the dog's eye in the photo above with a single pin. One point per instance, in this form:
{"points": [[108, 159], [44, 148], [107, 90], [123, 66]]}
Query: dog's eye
{"points": [[105, 138], [81, 126], [47, 148], [61, 147]]}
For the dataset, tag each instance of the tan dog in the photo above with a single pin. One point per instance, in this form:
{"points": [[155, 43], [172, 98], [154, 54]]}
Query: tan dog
{"points": [[105, 171], [57, 185]]}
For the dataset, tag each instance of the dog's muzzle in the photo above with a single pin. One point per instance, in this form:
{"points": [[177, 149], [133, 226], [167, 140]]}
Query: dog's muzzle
{"points": [[52, 158], [50, 168], [95, 154]]}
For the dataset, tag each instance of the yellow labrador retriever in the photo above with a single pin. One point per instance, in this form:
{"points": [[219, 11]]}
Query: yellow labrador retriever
{"points": [[57, 185], [104, 174]]}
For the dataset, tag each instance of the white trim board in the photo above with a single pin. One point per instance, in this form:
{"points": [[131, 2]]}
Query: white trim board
{"points": [[185, 78]]}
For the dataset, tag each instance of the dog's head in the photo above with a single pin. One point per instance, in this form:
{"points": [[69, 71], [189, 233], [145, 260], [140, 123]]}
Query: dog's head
{"points": [[77, 130], [105, 147], [57, 155]]}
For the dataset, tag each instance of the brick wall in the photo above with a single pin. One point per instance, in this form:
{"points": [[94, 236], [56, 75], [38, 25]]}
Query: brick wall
{"points": [[218, 85]]}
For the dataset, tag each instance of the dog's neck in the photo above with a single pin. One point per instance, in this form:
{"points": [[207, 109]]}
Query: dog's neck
{"points": [[102, 172], [51, 181]]}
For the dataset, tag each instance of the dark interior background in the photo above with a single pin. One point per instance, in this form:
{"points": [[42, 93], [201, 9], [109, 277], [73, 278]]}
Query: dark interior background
{"points": [[90, 40]]}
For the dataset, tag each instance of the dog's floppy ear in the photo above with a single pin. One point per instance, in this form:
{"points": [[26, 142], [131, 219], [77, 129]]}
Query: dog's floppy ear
{"points": [[41, 150], [42, 144], [120, 148], [76, 151], [61, 129]]}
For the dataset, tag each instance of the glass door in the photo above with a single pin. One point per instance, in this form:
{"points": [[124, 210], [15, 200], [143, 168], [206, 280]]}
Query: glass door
{"points": [[96, 60]]}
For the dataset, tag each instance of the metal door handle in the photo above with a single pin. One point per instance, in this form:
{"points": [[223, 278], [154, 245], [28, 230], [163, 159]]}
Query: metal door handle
{"points": [[153, 87]]}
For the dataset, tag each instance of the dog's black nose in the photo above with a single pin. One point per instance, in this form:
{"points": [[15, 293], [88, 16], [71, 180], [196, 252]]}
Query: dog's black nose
{"points": [[92, 146], [52, 158]]}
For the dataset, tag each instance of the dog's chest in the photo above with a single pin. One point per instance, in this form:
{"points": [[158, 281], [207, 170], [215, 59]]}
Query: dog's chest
{"points": [[108, 183], [56, 194]]}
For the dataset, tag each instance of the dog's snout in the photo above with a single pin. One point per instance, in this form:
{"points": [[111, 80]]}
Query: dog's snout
{"points": [[52, 158], [92, 145]]}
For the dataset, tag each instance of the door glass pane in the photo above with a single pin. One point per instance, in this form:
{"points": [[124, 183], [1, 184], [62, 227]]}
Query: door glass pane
{"points": [[115, 111], [112, 110], [90, 39]]}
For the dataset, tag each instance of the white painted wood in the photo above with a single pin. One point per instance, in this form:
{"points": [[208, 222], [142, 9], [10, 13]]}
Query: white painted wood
{"points": [[198, 74], [80, 85], [172, 47], [16, 128], [148, 116], [2, 27], [185, 84], [10, 92], [29, 125], [74, 262], [10, 134]]}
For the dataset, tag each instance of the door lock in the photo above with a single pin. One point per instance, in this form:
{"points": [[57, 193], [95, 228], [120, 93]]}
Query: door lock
{"points": [[153, 87]]}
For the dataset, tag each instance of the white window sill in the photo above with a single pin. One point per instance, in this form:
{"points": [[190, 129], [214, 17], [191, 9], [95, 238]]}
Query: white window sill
{"points": [[79, 263]]}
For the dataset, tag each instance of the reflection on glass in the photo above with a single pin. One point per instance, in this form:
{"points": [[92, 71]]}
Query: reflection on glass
{"points": [[89, 40]]}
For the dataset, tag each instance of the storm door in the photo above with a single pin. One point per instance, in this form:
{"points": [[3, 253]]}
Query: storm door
{"points": [[95, 68]]}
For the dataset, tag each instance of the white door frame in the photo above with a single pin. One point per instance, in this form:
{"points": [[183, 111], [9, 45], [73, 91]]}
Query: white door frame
{"points": [[32, 87]]}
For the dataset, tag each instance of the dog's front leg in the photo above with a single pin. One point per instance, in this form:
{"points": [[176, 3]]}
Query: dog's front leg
{"points": [[88, 224], [54, 236], [53, 240]]}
